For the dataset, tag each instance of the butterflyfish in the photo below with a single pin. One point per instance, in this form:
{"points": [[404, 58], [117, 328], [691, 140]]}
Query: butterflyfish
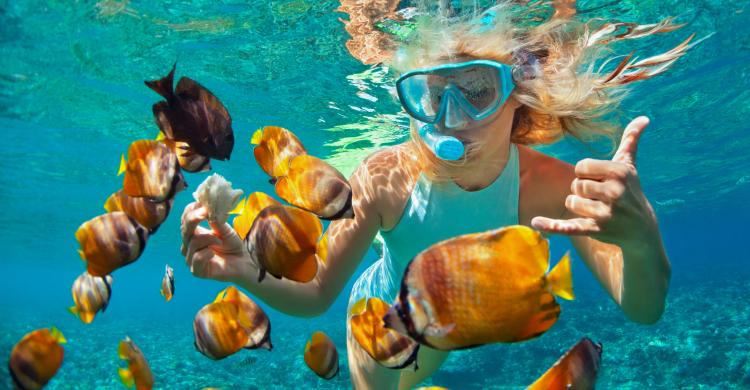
{"points": [[152, 171], [110, 241], [91, 294], [274, 147], [321, 356], [36, 358], [148, 213], [167, 283], [137, 373], [313, 185], [576, 369], [386, 346], [192, 114], [248, 209], [282, 241], [189, 160], [230, 323], [481, 288]]}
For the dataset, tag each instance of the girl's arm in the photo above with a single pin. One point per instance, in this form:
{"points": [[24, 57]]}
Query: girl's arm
{"points": [[219, 253]]}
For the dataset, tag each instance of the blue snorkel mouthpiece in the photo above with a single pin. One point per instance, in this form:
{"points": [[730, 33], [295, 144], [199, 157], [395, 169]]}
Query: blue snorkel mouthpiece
{"points": [[445, 147]]}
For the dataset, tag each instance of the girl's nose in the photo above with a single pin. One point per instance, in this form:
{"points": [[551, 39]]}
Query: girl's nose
{"points": [[455, 118]]}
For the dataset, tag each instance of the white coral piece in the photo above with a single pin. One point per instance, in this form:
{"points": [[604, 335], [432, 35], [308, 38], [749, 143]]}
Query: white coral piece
{"points": [[218, 197]]}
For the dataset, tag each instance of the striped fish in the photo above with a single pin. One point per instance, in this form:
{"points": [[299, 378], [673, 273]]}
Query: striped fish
{"points": [[148, 213], [576, 369], [167, 283], [152, 171], [110, 241], [481, 288], [36, 358], [91, 294], [137, 373], [321, 356], [248, 209], [386, 346], [275, 146]]}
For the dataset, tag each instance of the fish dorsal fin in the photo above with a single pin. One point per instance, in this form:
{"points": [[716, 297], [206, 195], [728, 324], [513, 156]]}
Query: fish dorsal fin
{"points": [[257, 137], [160, 136], [221, 295], [359, 307], [560, 280], [232, 294], [57, 335], [322, 248], [522, 246], [123, 165], [126, 377]]}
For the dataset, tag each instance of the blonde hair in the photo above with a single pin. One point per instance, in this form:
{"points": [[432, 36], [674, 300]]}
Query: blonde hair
{"points": [[560, 90]]}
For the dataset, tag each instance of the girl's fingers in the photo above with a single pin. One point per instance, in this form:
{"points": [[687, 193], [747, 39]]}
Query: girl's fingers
{"points": [[193, 215], [590, 168], [607, 191], [571, 227], [201, 241], [586, 207]]}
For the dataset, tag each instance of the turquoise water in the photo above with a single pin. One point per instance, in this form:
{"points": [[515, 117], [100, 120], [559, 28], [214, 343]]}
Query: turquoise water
{"points": [[72, 98]]}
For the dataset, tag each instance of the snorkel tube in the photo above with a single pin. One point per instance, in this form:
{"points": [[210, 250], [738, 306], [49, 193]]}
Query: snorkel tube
{"points": [[443, 146]]}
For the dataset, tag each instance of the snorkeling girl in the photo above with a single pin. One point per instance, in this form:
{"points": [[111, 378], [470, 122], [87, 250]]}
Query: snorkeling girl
{"points": [[481, 87]]}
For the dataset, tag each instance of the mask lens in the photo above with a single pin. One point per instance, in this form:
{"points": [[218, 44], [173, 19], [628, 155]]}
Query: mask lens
{"points": [[421, 94], [479, 85]]}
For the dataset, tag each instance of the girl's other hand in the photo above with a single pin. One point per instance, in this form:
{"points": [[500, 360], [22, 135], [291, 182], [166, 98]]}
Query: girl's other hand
{"points": [[216, 253]]}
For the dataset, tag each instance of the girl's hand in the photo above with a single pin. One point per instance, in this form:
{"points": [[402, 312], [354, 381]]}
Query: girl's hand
{"points": [[606, 197], [216, 253]]}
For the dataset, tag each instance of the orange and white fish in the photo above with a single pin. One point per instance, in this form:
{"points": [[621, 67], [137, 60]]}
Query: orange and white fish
{"points": [[386, 346], [192, 114], [91, 294], [110, 241], [230, 323], [152, 171], [321, 356], [247, 210], [36, 358], [283, 241], [167, 283], [481, 288], [148, 213], [313, 185], [137, 372], [576, 369], [275, 146]]}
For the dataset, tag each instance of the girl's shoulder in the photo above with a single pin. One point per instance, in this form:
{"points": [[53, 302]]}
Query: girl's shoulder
{"points": [[545, 183]]}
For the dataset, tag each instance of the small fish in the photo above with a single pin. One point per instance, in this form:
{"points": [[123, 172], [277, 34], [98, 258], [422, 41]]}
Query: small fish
{"points": [[321, 356], [248, 209], [275, 146], [313, 185], [230, 323], [36, 358], [91, 294], [189, 160], [148, 213], [386, 346], [138, 372], [167, 283], [576, 369], [282, 241], [481, 288], [192, 114], [110, 241], [151, 171]]}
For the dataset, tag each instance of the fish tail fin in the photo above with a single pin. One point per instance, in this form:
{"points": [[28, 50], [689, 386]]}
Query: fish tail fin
{"points": [[57, 335], [257, 136], [123, 165], [126, 377], [164, 85], [73, 310], [560, 280]]}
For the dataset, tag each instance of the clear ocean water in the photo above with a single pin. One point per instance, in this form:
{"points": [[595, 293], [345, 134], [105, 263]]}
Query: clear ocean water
{"points": [[72, 99]]}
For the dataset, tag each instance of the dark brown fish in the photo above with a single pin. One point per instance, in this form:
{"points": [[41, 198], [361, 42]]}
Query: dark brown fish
{"points": [[110, 241], [192, 114], [282, 241], [36, 358], [148, 213], [576, 369], [151, 171]]}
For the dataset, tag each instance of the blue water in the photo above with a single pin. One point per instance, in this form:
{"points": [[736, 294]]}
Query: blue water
{"points": [[72, 98]]}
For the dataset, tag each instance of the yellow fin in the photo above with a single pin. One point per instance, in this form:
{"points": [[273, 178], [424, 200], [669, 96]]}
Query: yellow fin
{"points": [[126, 377], [560, 280], [358, 307], [57, 335], [159, 136], [83, 255], [257, 136], [73, 310], [307, 346], [322, 248], [283, 167], [220, 296], [244, 319], [239, 208], [122, 349], [123, 165]]}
